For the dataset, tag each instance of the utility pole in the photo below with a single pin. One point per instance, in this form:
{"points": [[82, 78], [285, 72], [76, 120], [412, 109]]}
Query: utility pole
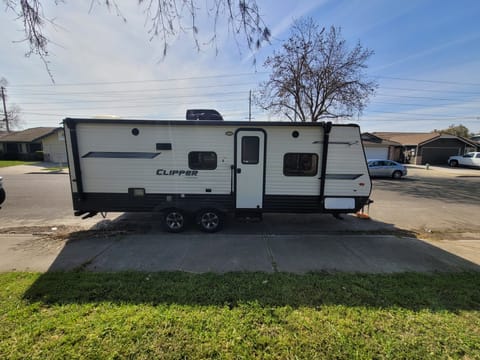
{"points": [[5, 109], [250, 105]]}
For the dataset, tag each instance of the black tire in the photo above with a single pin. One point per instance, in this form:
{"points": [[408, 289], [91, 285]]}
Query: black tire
{"points": [[210, 220], [174, 220], [453, 163], [397, 175], [2, 196]]}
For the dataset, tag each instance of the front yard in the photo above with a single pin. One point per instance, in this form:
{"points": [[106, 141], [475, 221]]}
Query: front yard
{"points": [[6, 163], [239, 315]]}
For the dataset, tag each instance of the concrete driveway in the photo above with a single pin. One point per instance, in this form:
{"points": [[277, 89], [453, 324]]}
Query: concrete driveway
{"points": [[412, 229]]}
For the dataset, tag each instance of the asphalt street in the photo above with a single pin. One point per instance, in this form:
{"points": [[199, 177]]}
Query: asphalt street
{"points": [[426, 222]]}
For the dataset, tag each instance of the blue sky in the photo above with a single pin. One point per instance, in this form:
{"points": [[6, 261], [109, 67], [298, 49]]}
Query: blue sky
{"points": [[426, 61]]}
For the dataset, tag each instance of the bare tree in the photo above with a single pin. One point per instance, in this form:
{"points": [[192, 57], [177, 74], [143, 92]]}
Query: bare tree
{"points": [[15, 121], [12, 111], [165, 19], [314, 75]]}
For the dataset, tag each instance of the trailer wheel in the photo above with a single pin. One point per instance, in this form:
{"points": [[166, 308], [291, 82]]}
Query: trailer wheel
{"points": [[210, 220], [174, 220]]}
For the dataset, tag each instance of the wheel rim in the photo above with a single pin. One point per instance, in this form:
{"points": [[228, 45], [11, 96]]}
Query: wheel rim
{"points": [[174, 220], [397, 175], [209, 220]]}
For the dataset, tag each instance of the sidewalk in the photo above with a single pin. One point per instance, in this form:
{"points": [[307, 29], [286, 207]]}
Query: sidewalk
{"points": [[444, 170], [200, 253]]}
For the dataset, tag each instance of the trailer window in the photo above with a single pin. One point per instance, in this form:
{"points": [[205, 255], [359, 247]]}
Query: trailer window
{"points": [[250, 149], [300, 164], [202, 160]]}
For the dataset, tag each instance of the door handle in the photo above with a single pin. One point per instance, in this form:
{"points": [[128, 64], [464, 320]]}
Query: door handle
{"points": [[239, 171]]}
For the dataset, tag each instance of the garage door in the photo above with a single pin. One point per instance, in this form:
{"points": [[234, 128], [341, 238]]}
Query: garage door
{"points": [[55, 153], [376, 153], [438, 156]]}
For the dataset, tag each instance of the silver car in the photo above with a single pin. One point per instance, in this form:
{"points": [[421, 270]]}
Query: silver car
{"points": [[386, 168]]}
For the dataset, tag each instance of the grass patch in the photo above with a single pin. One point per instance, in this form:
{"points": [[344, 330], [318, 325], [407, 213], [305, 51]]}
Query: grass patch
{"points": [[6, 163], [239, 315]]}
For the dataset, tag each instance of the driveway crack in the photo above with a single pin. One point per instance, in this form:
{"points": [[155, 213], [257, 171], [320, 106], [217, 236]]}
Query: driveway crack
{"points": [[273, 262], [83, 266]]}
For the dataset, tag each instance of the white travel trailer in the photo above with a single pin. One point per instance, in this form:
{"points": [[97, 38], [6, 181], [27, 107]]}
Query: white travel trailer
{"points": [[210, 168]]}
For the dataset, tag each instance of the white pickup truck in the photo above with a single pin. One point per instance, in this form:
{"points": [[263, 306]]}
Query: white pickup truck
{"points": [[469, 159]]}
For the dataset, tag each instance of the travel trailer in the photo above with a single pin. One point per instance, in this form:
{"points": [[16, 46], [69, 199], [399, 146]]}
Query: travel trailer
{"points": [[199, 171]]}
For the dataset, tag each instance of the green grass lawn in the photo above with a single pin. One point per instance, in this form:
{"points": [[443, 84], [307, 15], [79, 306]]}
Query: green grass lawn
{"points": [[239, 316], [6, 163]]}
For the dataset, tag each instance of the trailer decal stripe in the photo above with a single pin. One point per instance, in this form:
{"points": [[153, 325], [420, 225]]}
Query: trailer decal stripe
{"points": [[120, 155], [343, 176]]}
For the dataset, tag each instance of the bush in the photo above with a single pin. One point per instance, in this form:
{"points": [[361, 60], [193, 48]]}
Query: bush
{"points": [[11, 156], [39, 156]]}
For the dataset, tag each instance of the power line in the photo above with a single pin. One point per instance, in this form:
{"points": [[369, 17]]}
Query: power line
{"points": [[133, 90], [99, 83], [203, 103], [431, 90], [428, 81], [140, 99], [417, 97], [423, 114], [423, 105]]}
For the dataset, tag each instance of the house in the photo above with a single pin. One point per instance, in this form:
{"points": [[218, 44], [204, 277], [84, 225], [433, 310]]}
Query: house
{"points": [[476, 138], [30, 143], [378, 148], [429, 148]]}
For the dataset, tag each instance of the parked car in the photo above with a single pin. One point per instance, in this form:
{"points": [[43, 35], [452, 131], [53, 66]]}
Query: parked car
{"points": [[2, 191], [469, 159], [386, 168]]}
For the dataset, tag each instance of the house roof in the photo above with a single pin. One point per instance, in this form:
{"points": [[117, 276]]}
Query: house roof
{"points": [[28, 135], [415, 139], [371, 139], [407, 138]]}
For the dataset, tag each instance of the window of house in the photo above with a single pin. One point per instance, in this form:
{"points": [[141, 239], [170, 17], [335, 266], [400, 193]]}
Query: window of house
{"points": [[300, 164], [202, 160], [35, 147], [12, 147]]}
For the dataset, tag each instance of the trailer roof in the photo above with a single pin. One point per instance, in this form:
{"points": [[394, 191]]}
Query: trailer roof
{"points": [[71, 121]]}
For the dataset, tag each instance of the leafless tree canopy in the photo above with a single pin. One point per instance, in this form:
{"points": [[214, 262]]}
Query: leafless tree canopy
{"points": [[316, 76], [15, 121], [164, 19], [13, 111]]}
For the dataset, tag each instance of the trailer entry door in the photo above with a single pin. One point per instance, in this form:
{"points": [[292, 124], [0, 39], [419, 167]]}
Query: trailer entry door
{"points": [[250, 163]]}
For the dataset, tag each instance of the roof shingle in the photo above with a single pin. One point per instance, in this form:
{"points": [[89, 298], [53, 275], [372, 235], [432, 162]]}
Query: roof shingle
{"points": [[28, 135]]}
